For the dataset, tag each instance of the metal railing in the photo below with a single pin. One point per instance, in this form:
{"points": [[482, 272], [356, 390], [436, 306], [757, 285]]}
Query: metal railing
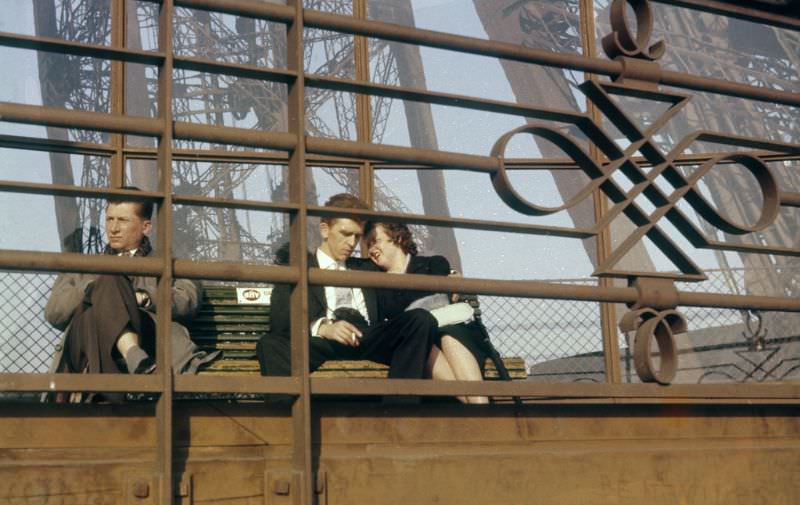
{"points": [[642, 77]]}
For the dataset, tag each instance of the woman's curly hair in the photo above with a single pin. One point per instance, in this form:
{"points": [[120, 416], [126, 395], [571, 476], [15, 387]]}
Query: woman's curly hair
{"points": [[398, 233]]}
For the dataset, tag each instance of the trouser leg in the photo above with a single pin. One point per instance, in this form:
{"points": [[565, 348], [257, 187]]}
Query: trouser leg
{"points": [[402, 343], [108, 309], [275, 354]]}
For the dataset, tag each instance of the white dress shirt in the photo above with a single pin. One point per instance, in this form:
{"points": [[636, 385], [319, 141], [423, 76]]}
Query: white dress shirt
{"points": [[325, 262]]}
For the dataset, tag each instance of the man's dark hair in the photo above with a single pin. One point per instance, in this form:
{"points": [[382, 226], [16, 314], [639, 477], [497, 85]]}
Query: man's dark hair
{"points": [[344, 201], [398, 233], [144, 208]]}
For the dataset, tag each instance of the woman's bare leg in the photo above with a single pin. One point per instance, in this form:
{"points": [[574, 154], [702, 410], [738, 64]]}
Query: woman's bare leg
{"points": [[462, 364], [439, 368]]}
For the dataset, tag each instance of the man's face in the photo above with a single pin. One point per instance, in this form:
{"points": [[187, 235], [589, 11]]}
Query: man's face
{"points": [[340, 237], [124, 228]]}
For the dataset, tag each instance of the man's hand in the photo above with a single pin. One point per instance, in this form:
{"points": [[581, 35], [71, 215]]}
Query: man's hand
{"points": [[340, 331]]}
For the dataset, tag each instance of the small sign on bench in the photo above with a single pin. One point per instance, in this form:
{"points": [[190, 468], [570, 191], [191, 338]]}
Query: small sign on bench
{"points": [[253, 296]]}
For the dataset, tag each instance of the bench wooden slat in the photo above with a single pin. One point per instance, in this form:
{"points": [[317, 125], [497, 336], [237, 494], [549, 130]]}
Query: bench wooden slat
{"points": [[355, 368], [224, 324]]}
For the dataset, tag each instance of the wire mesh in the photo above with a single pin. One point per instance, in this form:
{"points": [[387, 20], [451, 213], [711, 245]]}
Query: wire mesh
{"points": [[27, 341], [560, 340]]}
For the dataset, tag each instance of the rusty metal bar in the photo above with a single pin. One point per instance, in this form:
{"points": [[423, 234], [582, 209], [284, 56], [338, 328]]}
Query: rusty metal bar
{"points": [[540, 289], [302, 439], [80, 49], [729, 88], [224, 271], [527, 289], [722, 301], [790, 199], [230, 384], [249, 8], [37, 188], [234, 136], [428, 157], [532, 390], [72, 262], [238, 70], [514, 52], [117, 98], [20, 383], [51, 116], [430, 38], [55, 146], [164, 404], [438, 98], [747, 13], [231, 203], [471, 224]]}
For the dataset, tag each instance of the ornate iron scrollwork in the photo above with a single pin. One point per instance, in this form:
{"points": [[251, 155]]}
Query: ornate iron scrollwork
{"points": [[643, 162], [621, 42], [661, 326]]}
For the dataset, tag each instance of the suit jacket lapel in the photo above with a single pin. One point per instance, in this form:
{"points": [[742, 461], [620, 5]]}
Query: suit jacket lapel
{"points": [[317, 301]]}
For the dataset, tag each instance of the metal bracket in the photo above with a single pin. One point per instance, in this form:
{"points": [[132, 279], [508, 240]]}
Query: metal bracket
{"points": [[141, 489], [281, 487], [184, 490]]}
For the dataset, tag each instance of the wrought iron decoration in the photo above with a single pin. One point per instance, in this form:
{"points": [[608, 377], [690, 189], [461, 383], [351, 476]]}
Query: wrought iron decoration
{"points": [[654, 315]]}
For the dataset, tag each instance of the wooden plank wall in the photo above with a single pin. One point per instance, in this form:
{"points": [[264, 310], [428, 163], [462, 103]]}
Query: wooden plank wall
{"points": [[371, 453]]}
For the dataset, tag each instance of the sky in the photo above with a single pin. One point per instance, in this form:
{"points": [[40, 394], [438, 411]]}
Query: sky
{"points": [[470, 195]]}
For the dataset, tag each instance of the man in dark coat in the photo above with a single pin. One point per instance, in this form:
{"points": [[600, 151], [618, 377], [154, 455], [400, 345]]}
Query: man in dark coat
{"points": [[109, 320], [343, 322]]}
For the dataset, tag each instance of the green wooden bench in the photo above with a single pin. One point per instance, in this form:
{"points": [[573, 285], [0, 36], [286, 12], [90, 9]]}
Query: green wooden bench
{"points": [[232, 322]]}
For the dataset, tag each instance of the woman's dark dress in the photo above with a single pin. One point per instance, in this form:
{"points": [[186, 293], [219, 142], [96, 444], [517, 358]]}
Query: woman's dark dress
{"points": [[392, 302]]}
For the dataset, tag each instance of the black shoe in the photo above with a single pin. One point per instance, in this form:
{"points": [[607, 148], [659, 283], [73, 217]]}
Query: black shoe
{"points": [[146, 366]]}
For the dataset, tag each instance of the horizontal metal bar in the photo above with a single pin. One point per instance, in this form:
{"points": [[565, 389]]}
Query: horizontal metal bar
{"points": [[418, 387], [504, 50], [238, 70], [190, 269], [432, 97], [539, 289], [430, 38], [790, 199], [248, 8], [470, 224], [723, 301], [51, 116], [86, 263], [19, 383], [751, 12], [55, 146], [35, 188], [497, 287], [62, 46], [729, 88], [254, 384], [425, 157], [235, 136], [230, 203]]}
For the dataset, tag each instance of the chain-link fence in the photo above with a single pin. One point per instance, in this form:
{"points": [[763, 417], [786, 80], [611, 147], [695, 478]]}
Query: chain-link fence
{"points": [[560, 340], [27, 341]]}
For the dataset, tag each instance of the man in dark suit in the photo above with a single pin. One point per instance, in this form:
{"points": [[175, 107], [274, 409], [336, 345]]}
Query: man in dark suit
{"points": [[403, 342]]}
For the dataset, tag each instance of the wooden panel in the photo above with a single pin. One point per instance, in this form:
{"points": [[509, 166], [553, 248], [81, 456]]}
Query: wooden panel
{"points": [[436, 453], [349, 368]]}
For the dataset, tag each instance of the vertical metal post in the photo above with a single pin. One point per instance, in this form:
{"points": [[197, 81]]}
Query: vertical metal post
{"points": [[117, 164], [301, 408], [363, 105], [164, 247], [608, 315]]}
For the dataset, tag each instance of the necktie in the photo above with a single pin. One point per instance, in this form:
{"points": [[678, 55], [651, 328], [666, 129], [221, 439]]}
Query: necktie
{"points": [[344, 295]]}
